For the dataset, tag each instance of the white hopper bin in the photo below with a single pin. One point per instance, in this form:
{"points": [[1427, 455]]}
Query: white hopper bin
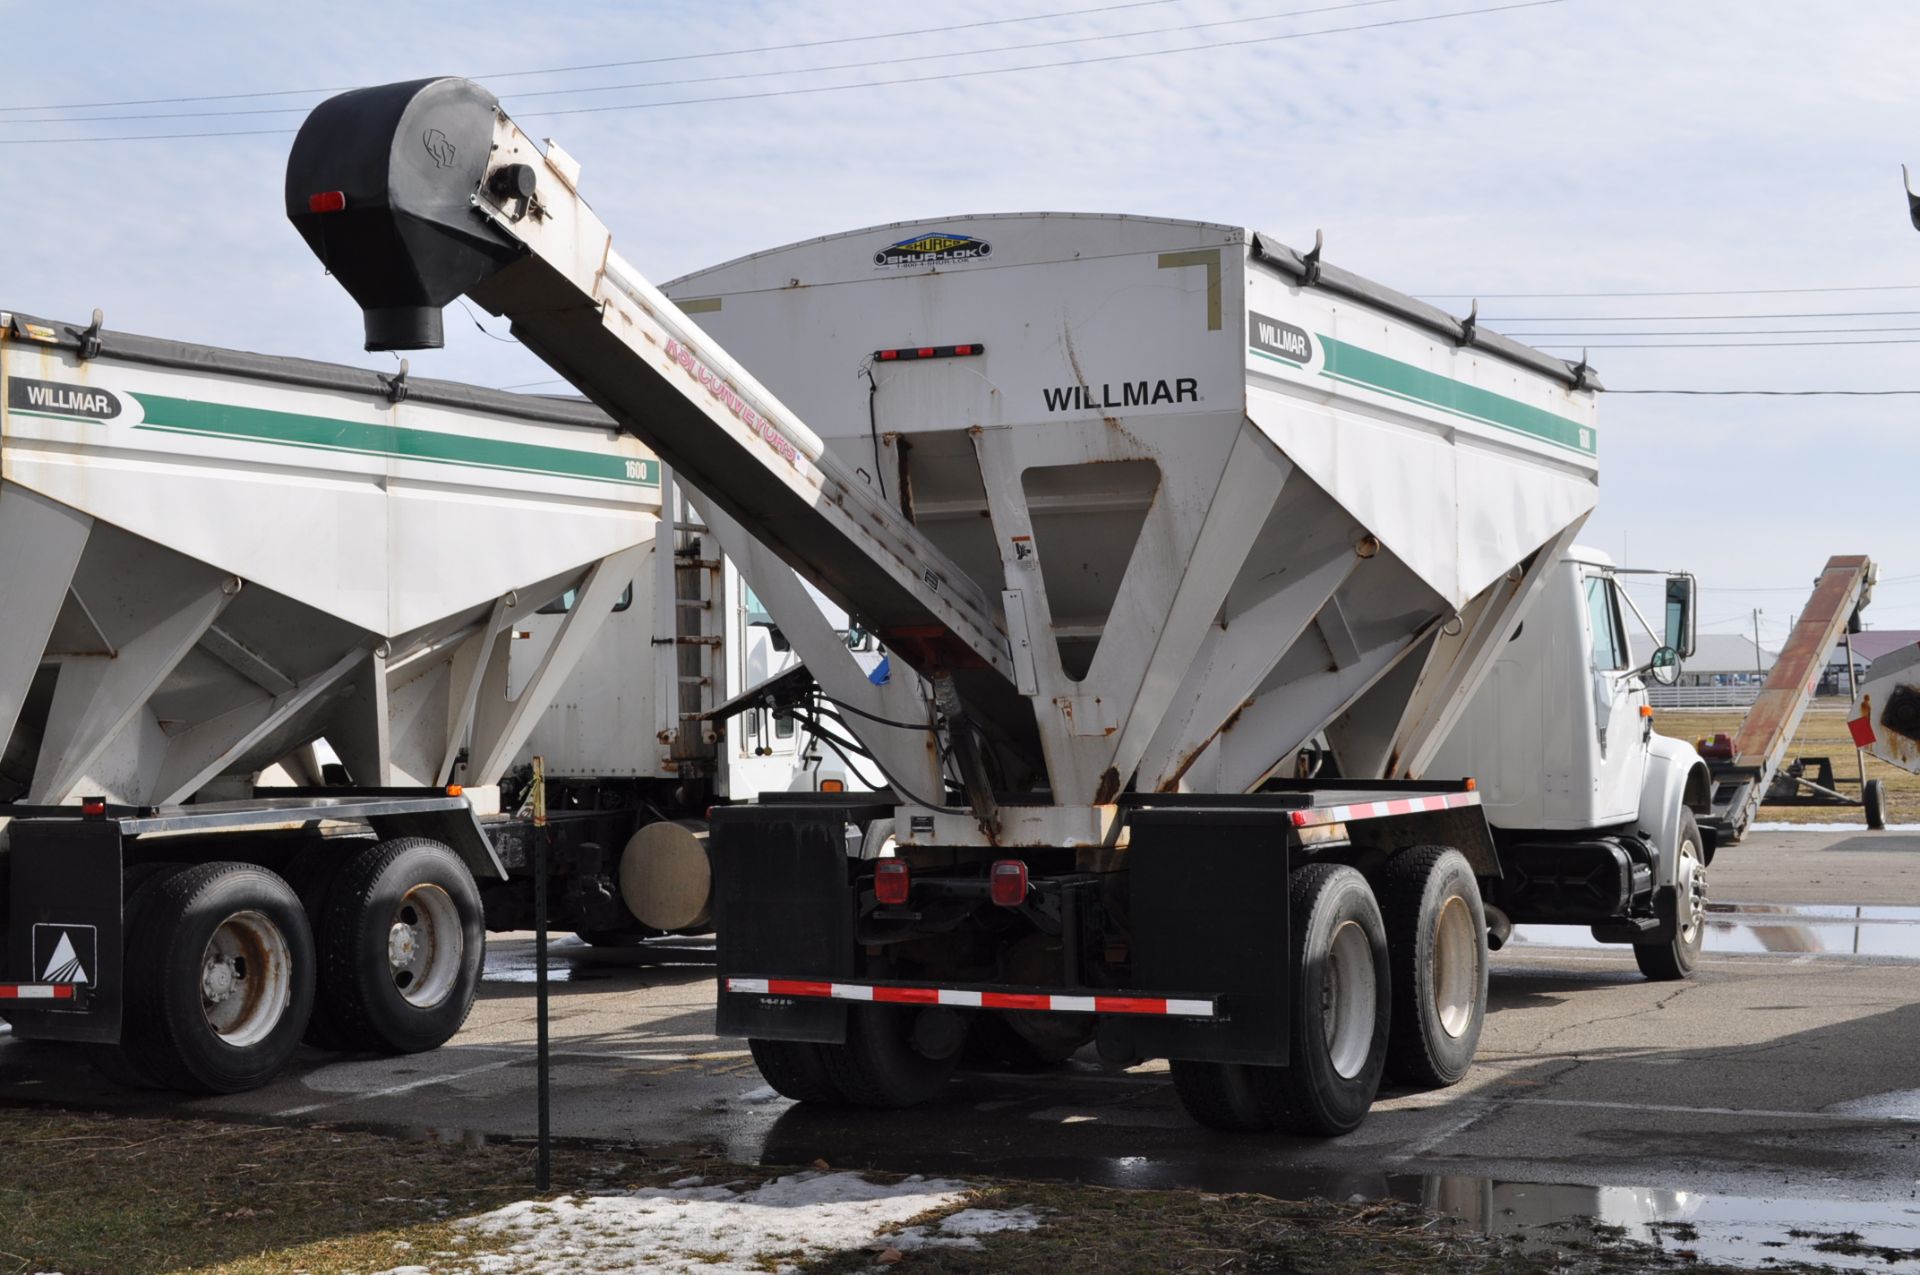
{"points": [[1228, 509], [211, 559]]}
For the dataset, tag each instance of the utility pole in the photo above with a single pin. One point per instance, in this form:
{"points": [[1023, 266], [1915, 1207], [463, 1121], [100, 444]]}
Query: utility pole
{"points": [[1756, 641]]}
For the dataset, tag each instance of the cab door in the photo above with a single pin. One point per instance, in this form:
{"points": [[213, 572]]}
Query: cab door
{"points": [[1618, 698]]}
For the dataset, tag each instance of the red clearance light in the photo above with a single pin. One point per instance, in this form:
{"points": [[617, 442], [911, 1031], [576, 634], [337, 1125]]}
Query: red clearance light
{"points": [[93, 807], [327, 201], [892, 881], [1008, 883], [909, 352]]}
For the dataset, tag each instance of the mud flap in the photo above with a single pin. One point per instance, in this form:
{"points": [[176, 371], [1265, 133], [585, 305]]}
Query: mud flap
{"points": [[64, 926], [1210, 917], [784, 906]]}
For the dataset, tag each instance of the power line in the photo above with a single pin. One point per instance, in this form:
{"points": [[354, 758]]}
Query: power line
{"points": [[1693, 318], [1727, 345], [1773, 393], [1698, 292], [607, 66], [865, 84], [1046, 66], [766, 74], [1718, 332]]}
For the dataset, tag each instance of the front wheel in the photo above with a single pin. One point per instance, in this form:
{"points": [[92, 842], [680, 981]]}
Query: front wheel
{"points": [[1873, 796], [1675, 958]]}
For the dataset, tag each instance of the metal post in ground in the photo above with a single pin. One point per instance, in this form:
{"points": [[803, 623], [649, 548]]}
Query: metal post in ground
{"points": [[1853, 693], [543, 1163]]}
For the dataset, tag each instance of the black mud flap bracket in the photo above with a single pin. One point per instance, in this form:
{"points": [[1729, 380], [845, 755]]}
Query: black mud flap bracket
{"points": [[1209, 907], [784, 901], [64, 927]]}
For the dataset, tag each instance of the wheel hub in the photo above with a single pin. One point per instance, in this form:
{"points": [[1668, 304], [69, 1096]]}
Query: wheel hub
{"points": [[1692, 894], [425, 942], [1456, 966], [1347, 1006], [218, 979], [402, 945], [246, 980]]}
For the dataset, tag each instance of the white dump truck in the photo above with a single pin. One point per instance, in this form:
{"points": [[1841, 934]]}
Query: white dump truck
{"points": [[1600, 820], [1157, 502]]}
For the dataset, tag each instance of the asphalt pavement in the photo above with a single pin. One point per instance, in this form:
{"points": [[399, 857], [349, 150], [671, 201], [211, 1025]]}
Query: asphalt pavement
{"points": [[1785, 1068]]}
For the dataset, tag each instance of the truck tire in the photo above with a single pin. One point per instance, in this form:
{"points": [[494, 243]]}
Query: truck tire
{"points": [[1437, 950], [879, 1066], [312, 874], [219, 978], [1339, 1003], [116, 1062], [402, 947], [1221, 1095], [1674, 959], [795, 1068], [1873, 796]]}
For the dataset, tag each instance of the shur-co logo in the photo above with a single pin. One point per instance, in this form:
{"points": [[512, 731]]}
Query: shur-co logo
{"points": [[935, 246], [50, 398]]}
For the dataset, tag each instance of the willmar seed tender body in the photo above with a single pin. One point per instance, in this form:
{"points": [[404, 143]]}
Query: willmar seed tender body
{"points": [[1138, 507]]}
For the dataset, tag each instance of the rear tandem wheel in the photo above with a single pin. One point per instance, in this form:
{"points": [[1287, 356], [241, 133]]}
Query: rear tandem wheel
{"points": [[1339, 1005]]}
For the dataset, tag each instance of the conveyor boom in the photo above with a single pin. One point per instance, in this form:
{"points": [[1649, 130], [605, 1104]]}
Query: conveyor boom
{"points": [[384, 184]]}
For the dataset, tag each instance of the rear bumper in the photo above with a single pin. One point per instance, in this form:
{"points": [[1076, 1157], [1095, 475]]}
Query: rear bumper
{"points": [[1030, 1000]]}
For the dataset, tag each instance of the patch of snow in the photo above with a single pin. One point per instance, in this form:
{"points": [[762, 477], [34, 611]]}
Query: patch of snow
{"points": [[988, 1221], [964, 1229], [708, 1230], [691, 1180]]}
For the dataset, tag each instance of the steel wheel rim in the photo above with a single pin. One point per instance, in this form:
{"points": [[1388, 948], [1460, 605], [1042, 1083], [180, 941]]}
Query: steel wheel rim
{"points": [[1456, 967], [1692, 894], [1347, 1000], [425, 941], [246, 979]]}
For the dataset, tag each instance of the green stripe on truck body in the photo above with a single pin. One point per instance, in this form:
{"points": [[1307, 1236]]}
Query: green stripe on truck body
{"points": [[1370, 370], [399, 442]]}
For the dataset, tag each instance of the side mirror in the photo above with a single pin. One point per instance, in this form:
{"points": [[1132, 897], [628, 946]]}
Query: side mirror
{"points": [[1680, 617], [1664, 667]]}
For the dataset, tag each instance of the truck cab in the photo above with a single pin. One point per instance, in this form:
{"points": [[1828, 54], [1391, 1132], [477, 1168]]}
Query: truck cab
{"points": [[1595, 811]]}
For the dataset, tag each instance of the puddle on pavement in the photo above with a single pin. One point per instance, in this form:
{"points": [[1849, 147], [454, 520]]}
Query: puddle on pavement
{"points": [[1749, 1231], [1781, 929]]}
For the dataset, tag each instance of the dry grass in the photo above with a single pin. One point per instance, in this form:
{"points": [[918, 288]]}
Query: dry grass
{"points": [[1822, 733]]}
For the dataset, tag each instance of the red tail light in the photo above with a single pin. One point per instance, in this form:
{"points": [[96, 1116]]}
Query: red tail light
{"points": [[1008, 882], [327, 201], [93, 807], [892, 881]]}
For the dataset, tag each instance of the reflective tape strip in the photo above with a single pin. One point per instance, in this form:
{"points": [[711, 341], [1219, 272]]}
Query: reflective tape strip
{"points": [[965, 998], [36, 991], [1382, 809]]}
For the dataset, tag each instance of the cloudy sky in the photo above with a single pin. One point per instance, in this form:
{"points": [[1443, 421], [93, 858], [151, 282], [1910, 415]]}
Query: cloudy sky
{"points": [[1747, 150]]}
